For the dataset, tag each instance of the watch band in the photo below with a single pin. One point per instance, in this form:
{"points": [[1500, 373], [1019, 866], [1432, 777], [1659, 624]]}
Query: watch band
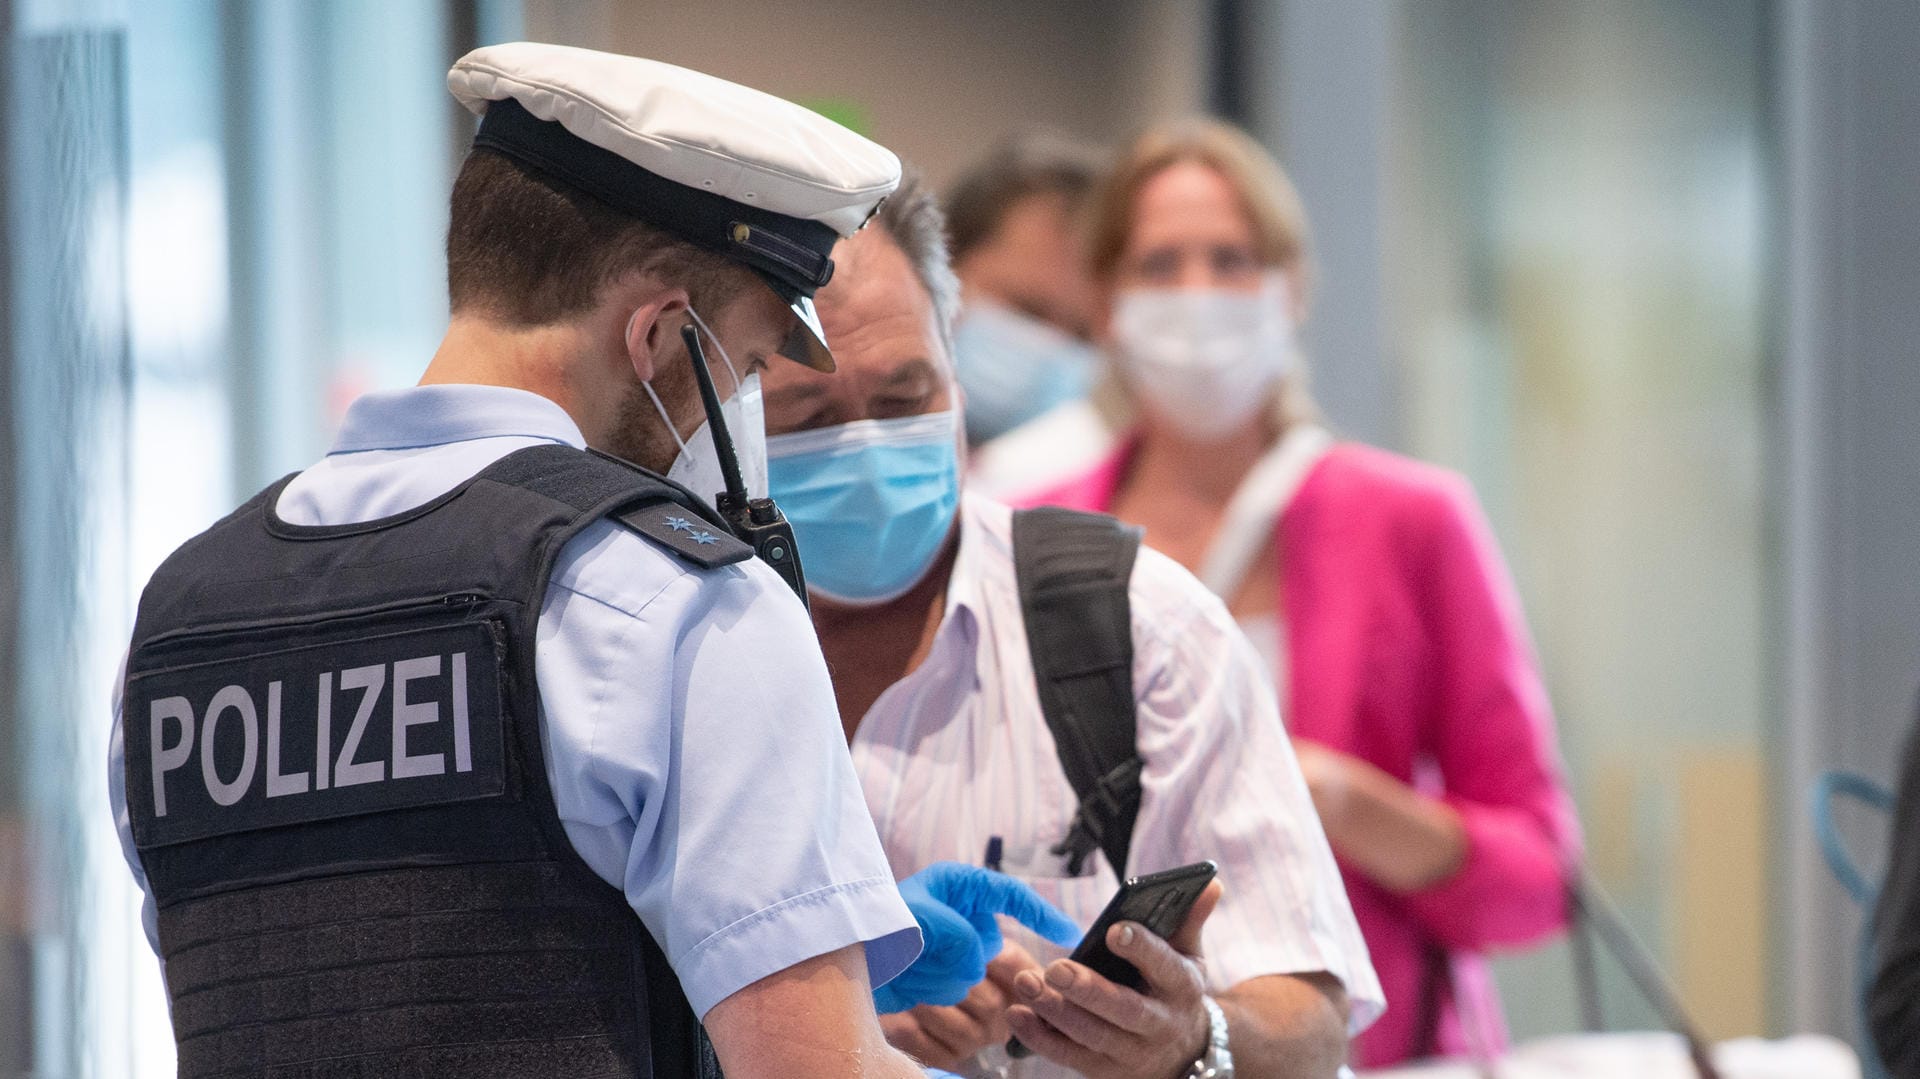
{"points": [[1216, 1061]]}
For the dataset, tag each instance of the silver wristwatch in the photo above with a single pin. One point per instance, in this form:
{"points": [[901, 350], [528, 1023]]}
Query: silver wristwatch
{"points": [[1216, 1061]]}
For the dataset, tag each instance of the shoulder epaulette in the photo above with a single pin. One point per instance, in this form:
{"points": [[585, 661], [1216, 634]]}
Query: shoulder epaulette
{"points": [[685, 533]]}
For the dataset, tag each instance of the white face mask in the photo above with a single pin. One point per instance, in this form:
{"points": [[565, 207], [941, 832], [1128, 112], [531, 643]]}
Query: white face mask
{"points": [[1206, 360], [697, 468]]}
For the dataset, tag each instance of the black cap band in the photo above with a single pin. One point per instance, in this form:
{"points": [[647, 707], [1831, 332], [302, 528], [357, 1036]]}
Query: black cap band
{"points": [[794, 254]]}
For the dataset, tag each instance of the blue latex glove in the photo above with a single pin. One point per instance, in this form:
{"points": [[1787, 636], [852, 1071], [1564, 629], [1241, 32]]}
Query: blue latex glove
{"points": [[955, 905]]}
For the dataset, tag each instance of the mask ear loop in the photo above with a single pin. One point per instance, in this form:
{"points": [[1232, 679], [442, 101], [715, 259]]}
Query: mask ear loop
{"points": [[738, 382], [655, 398]]}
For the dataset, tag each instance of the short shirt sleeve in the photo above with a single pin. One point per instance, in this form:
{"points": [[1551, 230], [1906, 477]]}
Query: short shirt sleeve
{"points": [[1221, 782], [698, 763]]}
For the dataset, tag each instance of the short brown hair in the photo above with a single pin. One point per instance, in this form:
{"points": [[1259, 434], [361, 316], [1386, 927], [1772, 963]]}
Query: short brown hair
{"points": [[1031, 163], [1272, 204], [529, 251]]}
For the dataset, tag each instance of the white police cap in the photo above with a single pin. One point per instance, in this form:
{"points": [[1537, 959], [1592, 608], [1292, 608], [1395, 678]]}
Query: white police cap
{"points": [[759, 180]]}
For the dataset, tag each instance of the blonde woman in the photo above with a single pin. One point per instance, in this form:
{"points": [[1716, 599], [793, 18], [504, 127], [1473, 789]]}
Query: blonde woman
{"points": [[1371, 581]]}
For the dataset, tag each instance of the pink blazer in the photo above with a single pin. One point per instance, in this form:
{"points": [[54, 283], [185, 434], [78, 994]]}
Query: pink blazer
{"points": [[1406, 648]]}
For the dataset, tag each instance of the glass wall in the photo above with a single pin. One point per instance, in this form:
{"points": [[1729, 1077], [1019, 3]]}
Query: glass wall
{"points": [[68, 384], [1576, 279], [224, 221]]}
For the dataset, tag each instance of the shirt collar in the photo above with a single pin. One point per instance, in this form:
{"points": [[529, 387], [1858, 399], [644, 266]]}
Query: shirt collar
{"points": [[965, 579], [435, 415], [981, 577], [957, 639]]}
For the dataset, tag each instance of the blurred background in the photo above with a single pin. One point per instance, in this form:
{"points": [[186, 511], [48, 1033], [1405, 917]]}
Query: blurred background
{"points": [[1645, 270]]}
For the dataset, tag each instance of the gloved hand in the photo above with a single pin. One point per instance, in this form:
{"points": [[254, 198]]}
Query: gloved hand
{"points": [[955, 905]]}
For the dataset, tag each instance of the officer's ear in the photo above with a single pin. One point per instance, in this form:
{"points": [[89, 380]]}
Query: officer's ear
{"points": [[653, 331]]}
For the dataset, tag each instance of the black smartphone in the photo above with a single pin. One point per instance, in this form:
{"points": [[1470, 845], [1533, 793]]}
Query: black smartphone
{"points": [[1160, 901]]}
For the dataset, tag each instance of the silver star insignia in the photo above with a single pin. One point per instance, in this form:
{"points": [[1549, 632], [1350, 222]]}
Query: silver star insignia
{"points": [[679, 524], [704, 537]]}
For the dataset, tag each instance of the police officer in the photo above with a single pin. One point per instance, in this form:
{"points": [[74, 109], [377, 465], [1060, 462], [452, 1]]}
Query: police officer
{"points": [[406, 742]]}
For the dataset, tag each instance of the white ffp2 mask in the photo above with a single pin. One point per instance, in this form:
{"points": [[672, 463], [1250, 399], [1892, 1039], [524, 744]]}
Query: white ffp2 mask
{"points": [[697, 467], [1205, 359]]}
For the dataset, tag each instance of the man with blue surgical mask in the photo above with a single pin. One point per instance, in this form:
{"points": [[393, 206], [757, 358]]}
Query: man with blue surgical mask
{"points": [[917, 597]]}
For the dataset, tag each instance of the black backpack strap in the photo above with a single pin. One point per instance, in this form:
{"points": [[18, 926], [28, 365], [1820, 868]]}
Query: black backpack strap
{"points": [[1073, 570]]}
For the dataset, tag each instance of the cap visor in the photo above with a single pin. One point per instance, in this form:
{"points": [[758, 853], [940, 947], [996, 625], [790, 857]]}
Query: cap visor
{"points": [[808, 342]]}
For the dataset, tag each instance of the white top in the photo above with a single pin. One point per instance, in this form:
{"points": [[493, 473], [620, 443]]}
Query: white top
{"points": [[694, 129], [1063, 442], [959, 751], [691, 736], [1246, 529], [1268, 635]]}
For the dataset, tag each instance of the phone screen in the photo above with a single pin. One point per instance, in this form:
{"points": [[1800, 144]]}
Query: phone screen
{"points": [[1159, 901]]}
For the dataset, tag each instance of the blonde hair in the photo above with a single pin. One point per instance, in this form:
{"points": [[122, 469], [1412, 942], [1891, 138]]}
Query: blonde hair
{"points": [[1269, 199], [1272, 205]]}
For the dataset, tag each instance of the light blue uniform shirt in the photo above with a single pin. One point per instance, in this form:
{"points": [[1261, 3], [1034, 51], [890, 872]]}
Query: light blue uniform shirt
{"points": [[691, 736]]}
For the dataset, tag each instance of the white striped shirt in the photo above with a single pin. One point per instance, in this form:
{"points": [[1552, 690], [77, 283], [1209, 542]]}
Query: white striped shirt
{"points": [[959, 752]]}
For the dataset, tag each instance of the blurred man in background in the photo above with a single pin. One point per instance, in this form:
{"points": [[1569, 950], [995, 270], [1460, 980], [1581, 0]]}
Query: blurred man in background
{"points": [[1022, 350]]}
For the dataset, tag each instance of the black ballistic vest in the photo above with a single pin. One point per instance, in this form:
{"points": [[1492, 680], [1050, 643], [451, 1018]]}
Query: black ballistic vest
{"points": [[336, 786]]}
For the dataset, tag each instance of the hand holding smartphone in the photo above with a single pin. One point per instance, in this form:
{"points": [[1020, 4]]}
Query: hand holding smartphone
{"points": [[1158, 901]]}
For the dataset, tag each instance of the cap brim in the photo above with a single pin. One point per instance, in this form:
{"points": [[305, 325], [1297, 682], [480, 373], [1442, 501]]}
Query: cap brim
{"points": [[808, 342]]}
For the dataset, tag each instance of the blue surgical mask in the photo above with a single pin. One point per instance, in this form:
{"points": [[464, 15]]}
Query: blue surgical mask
{"points": [[871, 502], [1014, 367]]}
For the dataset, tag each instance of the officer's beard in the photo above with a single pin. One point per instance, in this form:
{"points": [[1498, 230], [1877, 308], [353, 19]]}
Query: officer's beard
{"points": [[638, 435]]}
